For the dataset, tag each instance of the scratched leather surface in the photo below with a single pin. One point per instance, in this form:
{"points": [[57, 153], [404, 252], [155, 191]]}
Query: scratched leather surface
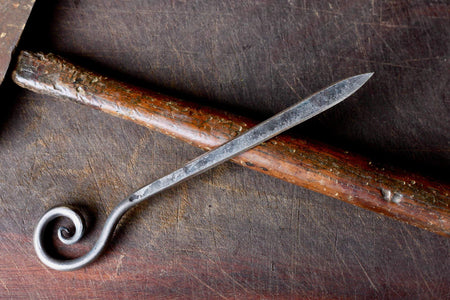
{"points": [[230, 232]]}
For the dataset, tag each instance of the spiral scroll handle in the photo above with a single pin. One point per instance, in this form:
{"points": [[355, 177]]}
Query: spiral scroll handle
{"points": [[282, 121], [78, 221]]}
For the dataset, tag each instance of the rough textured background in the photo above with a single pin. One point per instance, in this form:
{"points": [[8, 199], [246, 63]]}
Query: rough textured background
{"points": [[14, 14], [230, 232]]}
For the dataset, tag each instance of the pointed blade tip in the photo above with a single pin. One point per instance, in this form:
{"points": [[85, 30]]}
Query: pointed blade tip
{"points": [[368, 74], [351, 84], [365, 76], [359, 80]]}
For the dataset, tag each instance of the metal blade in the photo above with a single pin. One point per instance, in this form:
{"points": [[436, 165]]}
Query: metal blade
{"points": [[13, 16], [290, 117], [286, 119]]}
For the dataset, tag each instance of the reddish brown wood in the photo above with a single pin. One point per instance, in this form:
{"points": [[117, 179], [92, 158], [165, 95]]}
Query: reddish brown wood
{"points": [[406, 197]]}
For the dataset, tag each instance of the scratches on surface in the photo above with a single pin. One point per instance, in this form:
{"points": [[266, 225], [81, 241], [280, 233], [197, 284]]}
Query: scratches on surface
{"points": [[5, 286], [382, 63], [203, 283], [119, 264], [261, 237], [364, 271], [227, 275], [414, 259]]}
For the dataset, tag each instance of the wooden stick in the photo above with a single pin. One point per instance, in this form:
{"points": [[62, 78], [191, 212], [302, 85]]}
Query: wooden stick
{"points": [[338, 174]]}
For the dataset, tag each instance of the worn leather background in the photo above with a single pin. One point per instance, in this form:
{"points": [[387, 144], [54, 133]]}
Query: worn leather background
{"points": [[230, 233]]}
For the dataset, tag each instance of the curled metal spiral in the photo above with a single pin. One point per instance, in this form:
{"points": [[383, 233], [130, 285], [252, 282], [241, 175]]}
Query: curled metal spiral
{"points": [[78, 221], [284, 120]]}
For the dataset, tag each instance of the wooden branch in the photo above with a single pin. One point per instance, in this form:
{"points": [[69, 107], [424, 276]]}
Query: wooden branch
{"points": [[338, 174]]}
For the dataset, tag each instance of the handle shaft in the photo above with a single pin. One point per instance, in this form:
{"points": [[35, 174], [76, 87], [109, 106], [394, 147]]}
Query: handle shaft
{"points": [[351, 178]]}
